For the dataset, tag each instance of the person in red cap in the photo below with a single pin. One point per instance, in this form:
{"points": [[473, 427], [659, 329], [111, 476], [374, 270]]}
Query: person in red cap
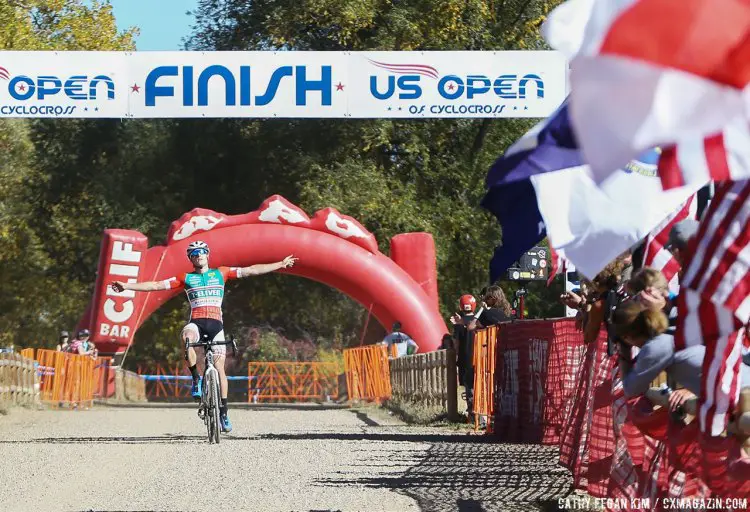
{"points": [[465, 347]]}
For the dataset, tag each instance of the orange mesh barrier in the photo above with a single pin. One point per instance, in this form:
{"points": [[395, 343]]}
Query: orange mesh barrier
{"points": [[28, 353], [485, 346], [66, 379], [367, 373], [292, 382]]}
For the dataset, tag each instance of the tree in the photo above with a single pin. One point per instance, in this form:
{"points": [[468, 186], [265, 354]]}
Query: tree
{"points": [[40, 292], [393, 175]]}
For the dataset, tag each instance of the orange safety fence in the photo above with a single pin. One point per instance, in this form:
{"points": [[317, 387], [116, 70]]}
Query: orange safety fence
{"points": [[166, 383], [367, 373], [485, 345], [292, 381], [28, 353], [67, 379]]}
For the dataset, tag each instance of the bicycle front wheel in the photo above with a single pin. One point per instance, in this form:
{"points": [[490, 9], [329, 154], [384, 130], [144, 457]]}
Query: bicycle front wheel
{"points": [[212, 406]]}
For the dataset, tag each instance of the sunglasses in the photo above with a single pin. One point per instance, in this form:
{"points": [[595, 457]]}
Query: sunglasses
{"points": [[197, 252]]}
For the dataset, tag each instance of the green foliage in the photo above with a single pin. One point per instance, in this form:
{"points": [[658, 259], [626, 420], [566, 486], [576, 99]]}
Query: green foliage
{"points": [[64, 181]]}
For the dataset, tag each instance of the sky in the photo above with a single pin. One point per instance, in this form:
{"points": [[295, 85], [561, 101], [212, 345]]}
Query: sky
{"points": [[163, 23]]}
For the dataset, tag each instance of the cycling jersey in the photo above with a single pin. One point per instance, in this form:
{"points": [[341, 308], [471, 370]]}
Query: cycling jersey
{"points": [[205, 291]]}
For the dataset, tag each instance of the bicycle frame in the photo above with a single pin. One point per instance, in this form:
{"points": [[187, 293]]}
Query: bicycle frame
{"points": [[208, 409]]}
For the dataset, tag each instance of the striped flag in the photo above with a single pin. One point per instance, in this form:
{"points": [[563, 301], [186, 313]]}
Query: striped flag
{"points": [[714, 305], [722, 157], [557, 264], [656, 254], [653, 72]]}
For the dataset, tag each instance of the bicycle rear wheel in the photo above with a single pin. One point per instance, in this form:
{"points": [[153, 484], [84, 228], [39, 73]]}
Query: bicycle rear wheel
{"points": [[212, 406]]}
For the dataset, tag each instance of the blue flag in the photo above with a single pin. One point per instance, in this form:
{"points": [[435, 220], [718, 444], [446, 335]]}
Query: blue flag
{"points": [[511, 197], [542, 187]]}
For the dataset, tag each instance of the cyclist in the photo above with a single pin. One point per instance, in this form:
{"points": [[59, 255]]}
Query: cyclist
{"points": [[204, 287]]}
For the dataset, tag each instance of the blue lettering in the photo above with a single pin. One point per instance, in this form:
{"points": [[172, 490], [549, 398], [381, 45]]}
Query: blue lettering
{"points": [[29, 89], [187, 86], [110, 87], [324, 85], [388, 93], [229, 85], [245, 86], [503, 86], [449, 93], [473, 90], [74, 87], [539, 86], [152, 90], [43, 89], [412, 91], [273, 85]]}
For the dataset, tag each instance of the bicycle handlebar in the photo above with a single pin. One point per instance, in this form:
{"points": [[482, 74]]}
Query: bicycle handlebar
{"points": [[205, 343]]}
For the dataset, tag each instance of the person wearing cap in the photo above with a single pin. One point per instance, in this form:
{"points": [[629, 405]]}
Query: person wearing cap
{"points": [[679, 237], [62, 343]]}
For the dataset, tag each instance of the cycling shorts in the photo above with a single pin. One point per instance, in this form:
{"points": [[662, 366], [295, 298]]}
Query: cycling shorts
{"points": [[211, 327]]}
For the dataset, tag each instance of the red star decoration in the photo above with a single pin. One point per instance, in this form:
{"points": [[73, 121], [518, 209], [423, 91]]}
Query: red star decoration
{"points": [[451, 87], [339, 86], [135, 88], [21, 87]]}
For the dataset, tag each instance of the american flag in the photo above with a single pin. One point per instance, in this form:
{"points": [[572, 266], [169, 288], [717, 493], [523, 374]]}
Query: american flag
{"points": [[656, 255], [714, 305], [722, 157]]}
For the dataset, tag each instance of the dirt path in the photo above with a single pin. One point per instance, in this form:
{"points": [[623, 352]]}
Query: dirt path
{"points": [[277, 458]]}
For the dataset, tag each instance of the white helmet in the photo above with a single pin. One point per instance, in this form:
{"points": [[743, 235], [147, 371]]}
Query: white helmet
{"points": [[197, 245]]}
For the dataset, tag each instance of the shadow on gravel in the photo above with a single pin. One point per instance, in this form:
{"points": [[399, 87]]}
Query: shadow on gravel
{"points": [[463, 473], [370, 436], [232, 405], [165, 439]]}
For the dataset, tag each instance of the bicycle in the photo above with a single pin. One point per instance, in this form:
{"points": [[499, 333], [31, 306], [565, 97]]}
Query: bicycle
{"points": [[208, 410]]}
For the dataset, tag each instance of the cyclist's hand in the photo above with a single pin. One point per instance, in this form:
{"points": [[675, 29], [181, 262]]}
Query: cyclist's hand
{"points": [[118, 286], [289, 261]]}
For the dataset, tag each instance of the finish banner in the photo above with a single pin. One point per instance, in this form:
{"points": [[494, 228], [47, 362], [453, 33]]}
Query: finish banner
{"points": [[282, 84]]}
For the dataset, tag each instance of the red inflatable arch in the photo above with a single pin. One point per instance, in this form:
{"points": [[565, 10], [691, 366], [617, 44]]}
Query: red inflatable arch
{"points": [[333, 249]]}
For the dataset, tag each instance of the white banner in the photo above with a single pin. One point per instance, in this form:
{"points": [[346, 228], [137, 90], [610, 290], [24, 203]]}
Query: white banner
{"points": [[281, 84]]}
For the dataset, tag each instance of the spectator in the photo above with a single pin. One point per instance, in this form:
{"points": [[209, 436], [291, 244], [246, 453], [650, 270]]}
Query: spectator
{"points": [[496, 309], [465, 347], [679, 237], [645, 328], [404, 344], [605, 292], [80, 345], [62, 343]]}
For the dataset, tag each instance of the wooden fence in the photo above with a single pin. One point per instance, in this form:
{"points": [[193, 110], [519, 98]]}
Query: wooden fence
{"points": [[428, 378], [19, 383]]}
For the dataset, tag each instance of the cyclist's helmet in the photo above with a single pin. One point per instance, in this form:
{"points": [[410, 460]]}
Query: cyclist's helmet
{"points": [[83, 333], [196, 248], [468, 303]]}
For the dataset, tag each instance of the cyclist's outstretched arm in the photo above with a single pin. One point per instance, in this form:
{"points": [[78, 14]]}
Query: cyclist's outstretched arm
{"points": [[265, 268], [148, 286]]}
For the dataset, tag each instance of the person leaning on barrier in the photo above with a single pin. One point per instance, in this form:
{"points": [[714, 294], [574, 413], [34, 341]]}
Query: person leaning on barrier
{"points": [[638, 325], [80, 345], [62, 342]]}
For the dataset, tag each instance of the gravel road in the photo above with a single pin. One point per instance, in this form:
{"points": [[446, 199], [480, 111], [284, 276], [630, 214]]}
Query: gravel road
{"points": [[277, 458]]}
